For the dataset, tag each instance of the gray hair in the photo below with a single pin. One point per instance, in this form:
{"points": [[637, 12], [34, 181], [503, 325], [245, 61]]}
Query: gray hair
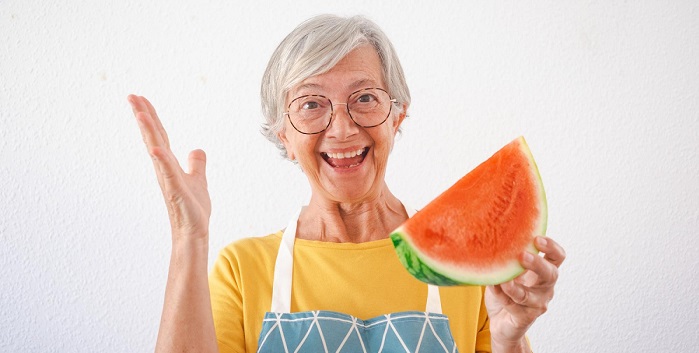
{"points": [[315, 47]]}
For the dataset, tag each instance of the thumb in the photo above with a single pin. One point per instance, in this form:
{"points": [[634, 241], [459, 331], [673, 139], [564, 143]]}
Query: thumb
{"points": [[197, 163]]}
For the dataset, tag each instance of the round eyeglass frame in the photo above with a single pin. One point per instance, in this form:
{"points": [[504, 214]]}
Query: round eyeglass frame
{"points": [[332, 110]]}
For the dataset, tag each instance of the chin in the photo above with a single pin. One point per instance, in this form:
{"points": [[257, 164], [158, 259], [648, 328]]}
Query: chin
{"points": [[350, 192]]}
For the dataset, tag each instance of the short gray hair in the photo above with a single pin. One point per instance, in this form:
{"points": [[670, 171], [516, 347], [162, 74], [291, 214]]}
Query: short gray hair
{"points": [[315, 47]]}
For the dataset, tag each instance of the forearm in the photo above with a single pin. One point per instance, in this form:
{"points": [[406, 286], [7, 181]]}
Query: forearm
{"points": [[187, 322], [515, 347]]}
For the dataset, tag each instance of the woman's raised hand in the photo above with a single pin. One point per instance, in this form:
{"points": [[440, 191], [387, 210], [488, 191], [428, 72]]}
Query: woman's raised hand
{"points": [[187, 321], [185, 193], [514, 306]]}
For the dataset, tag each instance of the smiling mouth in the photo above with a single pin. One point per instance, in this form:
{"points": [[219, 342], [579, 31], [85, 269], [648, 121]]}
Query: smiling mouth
{"points": [[345, 159]]}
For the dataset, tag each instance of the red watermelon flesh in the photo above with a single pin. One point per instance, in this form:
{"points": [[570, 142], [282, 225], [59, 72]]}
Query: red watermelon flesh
{"points": [[475, 232]]}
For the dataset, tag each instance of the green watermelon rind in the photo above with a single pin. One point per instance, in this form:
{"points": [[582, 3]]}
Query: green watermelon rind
{"points": [[414, 263], [428, 271]]}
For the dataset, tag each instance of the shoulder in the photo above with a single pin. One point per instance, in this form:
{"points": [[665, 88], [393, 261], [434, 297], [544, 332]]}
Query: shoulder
{"points": [[246, 258], [253, 250], [252, 245]]}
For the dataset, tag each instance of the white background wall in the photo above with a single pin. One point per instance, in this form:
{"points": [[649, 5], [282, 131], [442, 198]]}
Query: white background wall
{"points": [[606, 93]]}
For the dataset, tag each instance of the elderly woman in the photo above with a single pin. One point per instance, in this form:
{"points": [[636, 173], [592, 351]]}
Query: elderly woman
{"points": [[334, 97]]}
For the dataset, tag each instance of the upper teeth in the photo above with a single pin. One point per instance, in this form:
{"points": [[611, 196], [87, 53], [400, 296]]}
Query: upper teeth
{"points": [[342, 155]]}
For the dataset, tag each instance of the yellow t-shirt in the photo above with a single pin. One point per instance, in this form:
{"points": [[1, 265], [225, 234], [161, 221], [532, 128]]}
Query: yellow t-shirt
{"points": [[363, 280]]}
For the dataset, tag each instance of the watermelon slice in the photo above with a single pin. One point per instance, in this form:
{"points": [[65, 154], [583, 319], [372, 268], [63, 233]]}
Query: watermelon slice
{"points": [[474, 232]]}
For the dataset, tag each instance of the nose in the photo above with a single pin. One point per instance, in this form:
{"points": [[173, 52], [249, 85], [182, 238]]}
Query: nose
{"points": [[341, 124]]}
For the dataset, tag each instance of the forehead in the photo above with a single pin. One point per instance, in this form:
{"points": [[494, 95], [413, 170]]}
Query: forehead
{"points": [[361, 68]]}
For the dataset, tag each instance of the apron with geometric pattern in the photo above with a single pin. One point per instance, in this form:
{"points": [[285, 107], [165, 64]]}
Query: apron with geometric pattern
{"points": [[333, 332]]}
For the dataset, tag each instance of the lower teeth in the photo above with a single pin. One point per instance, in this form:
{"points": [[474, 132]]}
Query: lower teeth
{"points": [[349, 166]]}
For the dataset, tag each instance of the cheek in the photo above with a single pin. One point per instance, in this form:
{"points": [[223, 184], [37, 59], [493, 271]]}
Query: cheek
{"points": [[306, 155], [383, 149], [298, 146]]}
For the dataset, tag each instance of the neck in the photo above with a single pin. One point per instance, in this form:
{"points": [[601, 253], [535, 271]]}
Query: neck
{"points": [[351, 222]]}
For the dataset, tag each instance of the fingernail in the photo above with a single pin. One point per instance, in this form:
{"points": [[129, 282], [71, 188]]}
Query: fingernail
{"points": [[528, 258], [540, 241]]}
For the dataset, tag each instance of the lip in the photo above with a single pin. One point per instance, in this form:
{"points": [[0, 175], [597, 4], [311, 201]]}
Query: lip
{"points": [[324, 155], [345, 149]]}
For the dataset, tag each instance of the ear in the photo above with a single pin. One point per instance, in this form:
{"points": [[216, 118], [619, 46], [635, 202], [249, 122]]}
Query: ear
{"points": [[289, 151], [399, 120]]}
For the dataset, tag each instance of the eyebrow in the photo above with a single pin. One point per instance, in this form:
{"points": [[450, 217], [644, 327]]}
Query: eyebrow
{"points": [[358, 84], [306, 86], [363, 83]]}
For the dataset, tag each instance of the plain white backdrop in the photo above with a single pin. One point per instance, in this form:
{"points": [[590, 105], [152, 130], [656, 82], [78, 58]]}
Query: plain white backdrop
{"points": [[606, 93]]}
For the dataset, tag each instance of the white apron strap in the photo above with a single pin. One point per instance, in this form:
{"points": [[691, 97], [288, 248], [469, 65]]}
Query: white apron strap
{"points": [[434, 302], [283, 269]]}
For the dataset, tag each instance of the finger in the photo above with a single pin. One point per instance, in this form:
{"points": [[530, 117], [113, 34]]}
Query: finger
{"points": [[546, 272], [530, 303], [137, 104], [151, 138], [515, 292], [497, 292], [197, 163], [154, 145], [140, 104], [157, 121], [553, 252], [169, 172]]}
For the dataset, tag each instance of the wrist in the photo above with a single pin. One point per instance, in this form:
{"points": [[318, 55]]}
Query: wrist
{"points": [[520, 346], [190, 237], [190, 247]]}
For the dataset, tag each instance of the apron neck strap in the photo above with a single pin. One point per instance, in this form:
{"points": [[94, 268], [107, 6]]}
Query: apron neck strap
{"points": [[283, 271]]}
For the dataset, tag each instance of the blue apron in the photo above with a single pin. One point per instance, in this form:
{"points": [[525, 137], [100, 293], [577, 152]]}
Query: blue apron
{"points": [[333, 332]]}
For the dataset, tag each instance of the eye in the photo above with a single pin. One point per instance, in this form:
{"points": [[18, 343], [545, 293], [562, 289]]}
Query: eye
{"points": [[366, 98], [310, 105]]}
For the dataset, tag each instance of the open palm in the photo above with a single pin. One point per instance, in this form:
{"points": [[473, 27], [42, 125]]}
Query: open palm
{"points": [[185, 193]]}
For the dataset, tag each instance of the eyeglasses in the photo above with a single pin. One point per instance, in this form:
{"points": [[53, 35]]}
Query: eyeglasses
{"points": [[368, 107]]}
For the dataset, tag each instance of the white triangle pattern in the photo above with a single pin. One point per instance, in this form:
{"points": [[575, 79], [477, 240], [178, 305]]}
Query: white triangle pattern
{"points": [[332, 332]]}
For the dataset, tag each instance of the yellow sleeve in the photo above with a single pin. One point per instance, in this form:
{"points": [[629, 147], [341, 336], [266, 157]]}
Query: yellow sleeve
{"points": [[227, 304], [483, 335]]}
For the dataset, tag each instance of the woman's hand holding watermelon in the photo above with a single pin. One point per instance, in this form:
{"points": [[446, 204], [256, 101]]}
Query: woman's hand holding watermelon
{"points": [[514, 306]]}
